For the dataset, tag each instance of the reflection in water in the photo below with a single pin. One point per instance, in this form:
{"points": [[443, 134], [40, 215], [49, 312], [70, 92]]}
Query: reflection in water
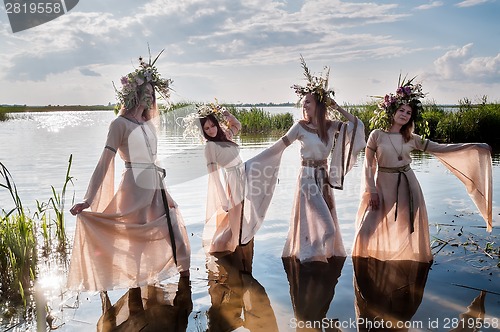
{"points": [[312, 287], [387, 293], [472, 319], [148, 308], [238, 300]]}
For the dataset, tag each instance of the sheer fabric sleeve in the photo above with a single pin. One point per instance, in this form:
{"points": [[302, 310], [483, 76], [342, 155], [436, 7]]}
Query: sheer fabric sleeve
{"points": [[234, 126], [370, 163], [291, 135], [216, 196], [349, 141], [261, 177], [101, 185], [471, 164]]}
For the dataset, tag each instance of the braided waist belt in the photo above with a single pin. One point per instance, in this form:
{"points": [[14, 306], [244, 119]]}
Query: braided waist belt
{"points": [[402, 172], [161, 170], [401, 169], [321, 177], [314, 163]]}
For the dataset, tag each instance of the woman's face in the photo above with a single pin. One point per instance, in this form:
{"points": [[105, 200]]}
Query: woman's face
{"points": [[147, 96], [309, 107], [210, 128], [402, 115]]}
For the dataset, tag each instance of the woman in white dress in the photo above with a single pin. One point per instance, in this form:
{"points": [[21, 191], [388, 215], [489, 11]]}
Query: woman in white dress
{"points": [[392, 222], [135, 235], [239, 192], [314, 233]]}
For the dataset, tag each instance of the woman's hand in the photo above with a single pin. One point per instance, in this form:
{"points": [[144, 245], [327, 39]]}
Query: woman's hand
{"points": [[79, 207], [374, 201], [171, 203], [333, 104], [338, 108]]}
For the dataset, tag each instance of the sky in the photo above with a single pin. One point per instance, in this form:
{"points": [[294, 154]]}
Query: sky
{"points": [[249, 51]]}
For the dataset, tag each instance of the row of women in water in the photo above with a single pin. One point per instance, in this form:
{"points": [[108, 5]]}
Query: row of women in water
{"points": [[134, 235]]}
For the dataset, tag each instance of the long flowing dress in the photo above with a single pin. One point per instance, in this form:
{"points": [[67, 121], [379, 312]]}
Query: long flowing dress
{"points": [[222, 230], [314, 233], [398, 229], [127, 239], [236, 206]]}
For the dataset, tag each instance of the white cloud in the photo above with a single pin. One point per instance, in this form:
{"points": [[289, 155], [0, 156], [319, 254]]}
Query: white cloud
{"points": [[471, 3], [448, 65], [460, 64], [430, 5]]}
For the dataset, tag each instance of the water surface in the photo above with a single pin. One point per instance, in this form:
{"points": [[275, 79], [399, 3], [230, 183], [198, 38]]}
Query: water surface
{"points": [[36, 146]]}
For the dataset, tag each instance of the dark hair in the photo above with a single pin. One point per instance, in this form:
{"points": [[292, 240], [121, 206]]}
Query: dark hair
{"points": [[321, 119], [407, 129], [221, 135]]}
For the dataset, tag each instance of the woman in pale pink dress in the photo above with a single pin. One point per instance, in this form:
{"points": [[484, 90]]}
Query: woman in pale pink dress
{"points": [[238, 192], [392, 222], [328, 149], [135, 235], [222, 232]]}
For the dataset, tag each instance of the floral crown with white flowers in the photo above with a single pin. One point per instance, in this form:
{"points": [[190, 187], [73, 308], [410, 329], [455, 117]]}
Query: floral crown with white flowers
{"points": [[406, 93], [192, 125], [316, 85], [134, 82]]}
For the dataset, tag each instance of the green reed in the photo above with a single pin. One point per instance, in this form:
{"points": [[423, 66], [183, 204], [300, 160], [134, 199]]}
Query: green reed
{"points": [[22, 235], [462, 123], [17, 246], [257, 121]]}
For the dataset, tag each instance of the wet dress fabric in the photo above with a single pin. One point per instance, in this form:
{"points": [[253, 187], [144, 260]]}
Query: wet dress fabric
{"points": [[314, 233], [399, 229], [127, 239]]}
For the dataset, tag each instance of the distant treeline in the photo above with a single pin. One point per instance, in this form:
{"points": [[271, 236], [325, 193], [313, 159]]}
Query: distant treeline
{"points": [[52, 108], [465, 122]]}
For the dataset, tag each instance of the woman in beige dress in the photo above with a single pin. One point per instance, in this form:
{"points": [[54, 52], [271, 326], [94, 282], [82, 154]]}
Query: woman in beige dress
{"points": [[238, 192], [392, 222], [328, 149], [134, 235]]}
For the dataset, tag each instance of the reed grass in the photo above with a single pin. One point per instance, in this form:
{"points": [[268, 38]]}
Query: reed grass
{"points": [[463, 123], [257, 121], [22, 235]]}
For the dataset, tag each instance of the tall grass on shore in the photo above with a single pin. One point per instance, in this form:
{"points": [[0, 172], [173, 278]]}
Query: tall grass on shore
{"points": [[25, 240], [253, 121], [467, 122], [257, 121]]}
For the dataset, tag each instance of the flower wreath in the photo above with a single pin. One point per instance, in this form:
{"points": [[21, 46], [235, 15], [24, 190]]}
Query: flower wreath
{"points": [[133, 82], [316, 85], [192, 125], [406, 93]]}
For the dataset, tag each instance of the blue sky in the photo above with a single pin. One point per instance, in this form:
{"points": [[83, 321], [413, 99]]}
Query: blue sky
{"points": [[248, 51]]}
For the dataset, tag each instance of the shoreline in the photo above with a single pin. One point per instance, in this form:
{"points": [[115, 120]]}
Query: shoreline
{"points": [[50, 108]]}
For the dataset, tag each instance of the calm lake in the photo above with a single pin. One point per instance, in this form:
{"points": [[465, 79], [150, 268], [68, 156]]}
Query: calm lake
{"points": [[35, 147]]}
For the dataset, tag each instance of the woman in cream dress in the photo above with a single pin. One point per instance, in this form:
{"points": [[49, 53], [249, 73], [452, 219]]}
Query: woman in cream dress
{"points": [[392, 221], [134, 235]]}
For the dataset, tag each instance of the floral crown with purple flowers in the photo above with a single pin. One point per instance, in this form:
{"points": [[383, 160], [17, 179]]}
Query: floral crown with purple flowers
{"points": [[316, 85], [134, 82], [406, 92]]}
